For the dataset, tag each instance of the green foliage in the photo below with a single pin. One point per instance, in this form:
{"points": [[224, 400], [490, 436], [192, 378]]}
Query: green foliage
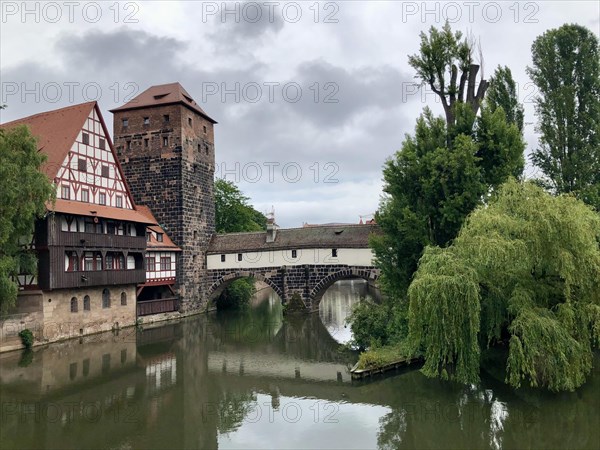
{"points": [[502, 93], [526, 266], [382, 356], [24, 189], [233, 214], [566, 71], [375, 325], [237, 294], [26, 337]]}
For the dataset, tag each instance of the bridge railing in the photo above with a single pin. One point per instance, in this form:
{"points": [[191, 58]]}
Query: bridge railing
{"points": [[162, 305]]}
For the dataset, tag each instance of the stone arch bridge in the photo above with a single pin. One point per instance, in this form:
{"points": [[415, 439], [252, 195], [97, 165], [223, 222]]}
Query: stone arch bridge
{"points": [[303, 261]]}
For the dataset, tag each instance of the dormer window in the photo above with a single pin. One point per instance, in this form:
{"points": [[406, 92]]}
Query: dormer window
{"points": [[159, 237]]}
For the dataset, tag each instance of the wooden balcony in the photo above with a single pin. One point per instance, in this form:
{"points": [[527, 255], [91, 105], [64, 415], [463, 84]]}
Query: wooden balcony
{"points": [[65, 280], [162, 305], [93, 240]]}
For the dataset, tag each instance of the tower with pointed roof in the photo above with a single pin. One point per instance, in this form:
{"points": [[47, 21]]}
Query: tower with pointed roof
{"points": [[165, 144]]}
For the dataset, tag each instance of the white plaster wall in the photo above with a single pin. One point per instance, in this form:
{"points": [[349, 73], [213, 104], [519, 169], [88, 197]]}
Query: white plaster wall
{"points": [[278, 258]]}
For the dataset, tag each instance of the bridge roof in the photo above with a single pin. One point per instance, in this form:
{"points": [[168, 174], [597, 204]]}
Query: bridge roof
{"points": [[338, 236]]}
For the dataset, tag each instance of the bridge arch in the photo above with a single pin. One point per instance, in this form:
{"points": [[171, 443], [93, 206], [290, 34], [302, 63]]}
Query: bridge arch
{"points": [[349, 273], [221, 283]]}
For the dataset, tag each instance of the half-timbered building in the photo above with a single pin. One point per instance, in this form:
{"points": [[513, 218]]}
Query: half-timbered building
{"points": [[91, 243], [157, 294]]}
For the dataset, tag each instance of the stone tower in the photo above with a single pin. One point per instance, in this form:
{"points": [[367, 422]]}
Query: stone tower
{"points": [[165, 144]]}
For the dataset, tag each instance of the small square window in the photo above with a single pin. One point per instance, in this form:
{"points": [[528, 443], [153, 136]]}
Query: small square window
{"points": [[105, 171], [125, 123], [85, 195], [119, 201], [222, 258], [294, 253], [166, 118], [334, 253], [146, 120], [239, 256], [102, 198], [102, 144], [86, 138], [82, 165], [65, 192]]}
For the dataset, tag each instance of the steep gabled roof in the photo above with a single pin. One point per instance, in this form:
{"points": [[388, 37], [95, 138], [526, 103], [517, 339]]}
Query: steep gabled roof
{"points": [[343, 236], [56, 131], [164, 94], [153, 244]]}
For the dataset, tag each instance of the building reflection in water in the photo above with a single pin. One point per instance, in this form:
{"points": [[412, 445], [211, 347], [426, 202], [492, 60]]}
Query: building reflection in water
{"points": [[251, 379]]}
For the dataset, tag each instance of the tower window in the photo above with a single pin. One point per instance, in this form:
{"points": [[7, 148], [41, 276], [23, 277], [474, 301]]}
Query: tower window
{"points": [[165, 141], [204, 127], [206, 148], [86, 138], [199, 147], [146, 142], [166, 118], [128, 145], [190, 121], [146, 120], [125, 123], [102, 144]]}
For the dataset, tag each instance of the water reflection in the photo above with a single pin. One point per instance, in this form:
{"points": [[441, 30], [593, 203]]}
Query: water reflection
{"points": [[337, 303], [255, 380]]}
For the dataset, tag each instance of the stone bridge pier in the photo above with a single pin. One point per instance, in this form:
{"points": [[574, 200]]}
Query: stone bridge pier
{"points": [[308, 281]]}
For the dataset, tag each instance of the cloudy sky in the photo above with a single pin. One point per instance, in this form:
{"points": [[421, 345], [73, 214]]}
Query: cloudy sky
{"points": [[311, 97]]}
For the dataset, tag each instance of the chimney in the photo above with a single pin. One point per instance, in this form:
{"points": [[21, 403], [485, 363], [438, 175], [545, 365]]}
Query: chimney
{"points": [[271, 228]]}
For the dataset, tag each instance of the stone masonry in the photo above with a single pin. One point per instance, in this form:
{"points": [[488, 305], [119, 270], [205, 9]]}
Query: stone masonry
{"points": [[168, 158]]}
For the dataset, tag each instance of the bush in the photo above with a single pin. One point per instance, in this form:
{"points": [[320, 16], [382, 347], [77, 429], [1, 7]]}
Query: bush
{"points": [[26, 338], [376, 325], [237, 295]]}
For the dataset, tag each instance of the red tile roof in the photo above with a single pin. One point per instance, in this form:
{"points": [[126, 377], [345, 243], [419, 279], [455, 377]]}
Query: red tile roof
{"points": [[164, 94], [56, 131], [153, 244], [92, 210]]}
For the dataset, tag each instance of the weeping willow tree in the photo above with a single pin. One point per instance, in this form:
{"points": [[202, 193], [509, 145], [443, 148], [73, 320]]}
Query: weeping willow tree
{"points": [[524, 270]]}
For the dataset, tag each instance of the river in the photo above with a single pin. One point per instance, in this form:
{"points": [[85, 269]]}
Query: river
{"points": [[254, 380]]}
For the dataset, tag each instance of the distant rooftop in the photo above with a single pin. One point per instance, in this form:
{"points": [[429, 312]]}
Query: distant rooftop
{"points": [[163, 94]]}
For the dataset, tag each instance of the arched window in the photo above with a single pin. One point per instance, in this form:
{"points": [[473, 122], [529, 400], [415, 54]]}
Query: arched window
{"points": [[74, 305], [123, 298], [86, 303], [106, 298]]}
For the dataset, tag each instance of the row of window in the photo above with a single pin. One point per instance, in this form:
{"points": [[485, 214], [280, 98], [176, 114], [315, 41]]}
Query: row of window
{"points": [[334, 254], [165, 263], [85, 196], [166, 119], [89, 225], [85, 137], [92, 261], [106, 301], [82, 166], [86, 365]]}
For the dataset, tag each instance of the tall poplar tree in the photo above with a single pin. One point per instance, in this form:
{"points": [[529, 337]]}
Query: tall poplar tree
{"points": [[566, 71]]}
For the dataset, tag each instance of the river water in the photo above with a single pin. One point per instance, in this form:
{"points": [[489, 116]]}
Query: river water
{"points": [[254, 380]]}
